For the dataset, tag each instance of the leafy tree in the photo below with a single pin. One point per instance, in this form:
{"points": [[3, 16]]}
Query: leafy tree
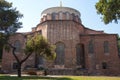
{"points": [[109, 9], [9, 22], [38, 45], [9, 18]]}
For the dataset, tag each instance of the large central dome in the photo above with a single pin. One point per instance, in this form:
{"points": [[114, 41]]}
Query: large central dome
{"points": [[60, 13], [61, 9]]}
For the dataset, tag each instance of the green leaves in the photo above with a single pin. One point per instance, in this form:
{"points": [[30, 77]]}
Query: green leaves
{"points": [[9, 21], [29, 48], [109, 9], [9, 18], [4, 4], [40, 46]]}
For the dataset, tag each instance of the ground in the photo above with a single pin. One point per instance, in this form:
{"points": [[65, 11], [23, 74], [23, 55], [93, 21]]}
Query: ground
{"points": [[4, 77]]}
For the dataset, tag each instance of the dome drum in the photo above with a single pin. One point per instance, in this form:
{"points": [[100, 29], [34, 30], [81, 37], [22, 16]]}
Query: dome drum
{"points": [[60, 13]]}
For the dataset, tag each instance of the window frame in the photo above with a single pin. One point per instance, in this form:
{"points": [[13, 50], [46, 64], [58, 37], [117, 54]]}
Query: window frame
{"points": [[91, 47], [59, 55], [54, 16], [106, 46], [17, 45]]}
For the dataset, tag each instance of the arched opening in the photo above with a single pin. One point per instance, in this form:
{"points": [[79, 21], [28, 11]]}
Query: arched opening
{"points": [[17, 45], [60, 15], [40, 61], [60, 53], [106, 47], [91, 47], [67, 15], [73, 16], [80, 56], [53, 16]]}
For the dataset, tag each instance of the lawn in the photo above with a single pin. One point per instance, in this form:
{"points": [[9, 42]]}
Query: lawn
{"points": [[60, 78]]}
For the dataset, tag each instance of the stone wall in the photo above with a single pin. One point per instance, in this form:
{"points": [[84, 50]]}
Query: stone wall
{"points": [[66, 32], [8, 59], [94, 60]]}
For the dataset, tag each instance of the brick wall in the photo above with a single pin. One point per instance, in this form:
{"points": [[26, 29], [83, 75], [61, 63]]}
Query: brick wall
{"points": [[72, 33], [94, 61]]}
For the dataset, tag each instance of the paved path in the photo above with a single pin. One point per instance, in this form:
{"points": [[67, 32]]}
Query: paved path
{"points": [[36, 75]]}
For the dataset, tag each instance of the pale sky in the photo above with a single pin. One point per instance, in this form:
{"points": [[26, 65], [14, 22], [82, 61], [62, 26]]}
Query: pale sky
{"points": [[31, 9]]}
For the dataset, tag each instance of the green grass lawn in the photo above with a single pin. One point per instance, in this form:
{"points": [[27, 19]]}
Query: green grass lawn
{"points": [[2, 77]]}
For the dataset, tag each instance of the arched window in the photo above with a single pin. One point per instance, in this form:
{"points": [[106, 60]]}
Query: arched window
{"points": [[60, 15], [41, 60], [17, 45], [80, 60], [73, 16], [78, 49], [67, 15], [53, 16], [106, 47], [91, 46], [60, 53]]}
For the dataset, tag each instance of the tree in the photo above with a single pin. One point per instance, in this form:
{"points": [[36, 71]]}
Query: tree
{"points": [[9, 18], [39, 45], [109, 9], [36, 44], [9, 22]]}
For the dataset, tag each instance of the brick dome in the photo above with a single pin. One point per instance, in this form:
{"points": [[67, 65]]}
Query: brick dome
{"points": [[60, 13]]}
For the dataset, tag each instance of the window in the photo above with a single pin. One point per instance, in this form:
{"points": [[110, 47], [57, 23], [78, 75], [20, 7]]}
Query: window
{"points": [[91, 47], [39, 32], [53, 16], [17, 46], [41, 60], [60, 51], [15, 65], [79, 20], [73, 16], [78, 54], [60, 15], [106, 47], [104, 65], [67, 15]]}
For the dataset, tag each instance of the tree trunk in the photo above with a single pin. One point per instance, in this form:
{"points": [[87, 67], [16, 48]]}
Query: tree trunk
{"points": [[19, 63], [19, 70]]}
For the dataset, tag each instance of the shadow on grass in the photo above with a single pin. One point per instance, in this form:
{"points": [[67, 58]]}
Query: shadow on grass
{"points": [[33, 78]]}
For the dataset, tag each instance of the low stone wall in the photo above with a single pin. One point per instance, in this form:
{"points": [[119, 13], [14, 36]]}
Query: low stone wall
{"points": [[67, 72], [34, 71]]}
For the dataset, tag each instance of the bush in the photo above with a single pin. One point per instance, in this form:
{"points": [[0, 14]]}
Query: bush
{"points": [[41, 68], [32, 73]]}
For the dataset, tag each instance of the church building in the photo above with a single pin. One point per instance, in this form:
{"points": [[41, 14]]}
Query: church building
{"points": [[79, 50]]}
